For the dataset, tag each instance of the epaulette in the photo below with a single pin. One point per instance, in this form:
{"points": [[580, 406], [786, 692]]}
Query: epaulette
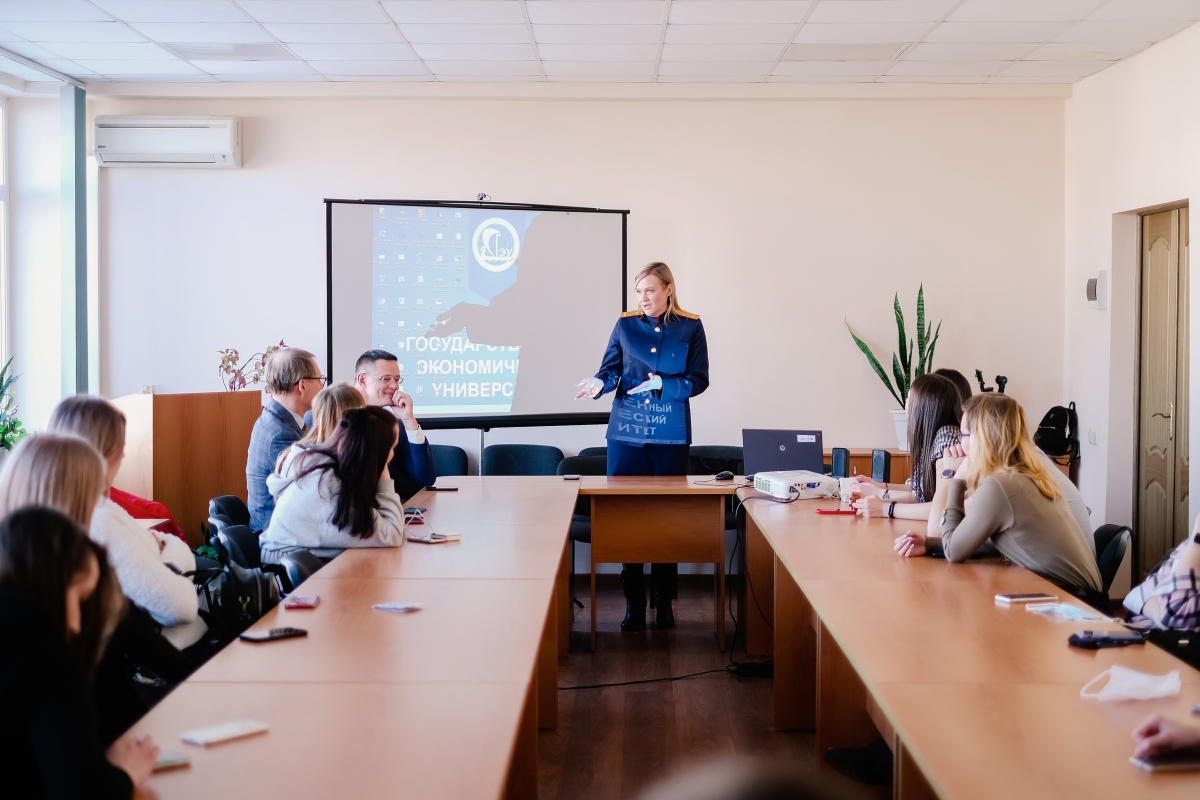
{"points": [[631, 314], [687, 314]]}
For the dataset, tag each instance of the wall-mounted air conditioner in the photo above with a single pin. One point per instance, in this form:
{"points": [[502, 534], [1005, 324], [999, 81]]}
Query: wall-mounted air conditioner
{"points": [[167, 141]]}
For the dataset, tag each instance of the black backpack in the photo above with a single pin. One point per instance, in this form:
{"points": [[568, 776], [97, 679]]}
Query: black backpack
{"points": [[238, 596], [1057, 435]]}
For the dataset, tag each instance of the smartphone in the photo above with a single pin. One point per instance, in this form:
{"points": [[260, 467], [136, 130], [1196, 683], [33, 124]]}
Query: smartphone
{"points": [[301, 602], [223, 732], [441, 488], [1168, 762], [836, 511], [415, 510], [273, 634], [571, 477], [1031, 597], [1094, 640], [169, 759]]}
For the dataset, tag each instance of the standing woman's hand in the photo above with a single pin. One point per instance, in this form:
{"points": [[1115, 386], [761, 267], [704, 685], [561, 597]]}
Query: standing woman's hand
{"points": [[588, 387]]}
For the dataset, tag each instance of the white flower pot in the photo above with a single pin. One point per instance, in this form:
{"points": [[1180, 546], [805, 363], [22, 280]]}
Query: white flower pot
{"points": [[900, 417]]}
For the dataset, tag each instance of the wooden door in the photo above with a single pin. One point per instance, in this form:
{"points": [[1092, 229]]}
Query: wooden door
{"points": [[1162, 450]]}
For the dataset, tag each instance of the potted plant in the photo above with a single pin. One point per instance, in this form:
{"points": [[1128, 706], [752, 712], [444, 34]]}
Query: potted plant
{"points": [[11, 429], [236, 376], [904, 368]]}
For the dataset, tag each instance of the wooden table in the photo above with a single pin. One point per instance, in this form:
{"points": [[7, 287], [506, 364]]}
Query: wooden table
{"points": [[663, 520], [976, 700]]}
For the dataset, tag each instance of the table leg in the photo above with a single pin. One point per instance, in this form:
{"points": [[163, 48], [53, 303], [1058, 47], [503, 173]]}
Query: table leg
{"points": [[547, 670], [564, 601], [909, 782], [842, 718], [795, 646], [719, 576], [522, 770]]}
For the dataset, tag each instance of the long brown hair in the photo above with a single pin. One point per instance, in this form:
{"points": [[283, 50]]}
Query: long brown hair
{"points": [[933, 403], [1000, 442], [93, 418], [661, 271], [59, 470]]}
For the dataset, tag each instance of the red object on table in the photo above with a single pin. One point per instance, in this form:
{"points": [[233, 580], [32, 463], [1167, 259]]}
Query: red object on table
{"points": [[141, 508]]}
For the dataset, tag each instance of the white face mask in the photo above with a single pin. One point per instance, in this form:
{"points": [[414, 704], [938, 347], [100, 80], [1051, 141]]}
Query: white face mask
{"points": [[1128, 684]]}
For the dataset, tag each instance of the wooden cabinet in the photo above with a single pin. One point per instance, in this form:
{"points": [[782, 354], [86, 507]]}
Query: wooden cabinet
{"points": [[184, 449]]}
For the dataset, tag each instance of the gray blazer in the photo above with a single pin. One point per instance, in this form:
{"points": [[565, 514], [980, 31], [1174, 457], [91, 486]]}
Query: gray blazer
{"points": [[275, 431]]}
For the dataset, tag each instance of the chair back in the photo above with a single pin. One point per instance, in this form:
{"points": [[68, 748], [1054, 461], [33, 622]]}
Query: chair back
{"points": [[297, 567], [449, 459], [218, 522], [594, 451], [242, 546], [1111, 543], [231, 507], [521, 459], [713, 458]]}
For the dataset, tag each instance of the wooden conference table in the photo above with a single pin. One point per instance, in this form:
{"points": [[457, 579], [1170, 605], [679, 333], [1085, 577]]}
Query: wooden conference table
{"points": [[977, 700]]}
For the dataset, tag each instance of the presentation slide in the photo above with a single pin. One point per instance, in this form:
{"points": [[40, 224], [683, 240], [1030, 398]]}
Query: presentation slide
{"points": [[491, 311]]}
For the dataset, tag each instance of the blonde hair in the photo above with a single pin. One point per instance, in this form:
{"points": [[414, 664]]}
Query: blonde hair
{"points": [[1000, 442], [287, 367], [94, 419], [59, 470], [328, 407], [661, 271]]}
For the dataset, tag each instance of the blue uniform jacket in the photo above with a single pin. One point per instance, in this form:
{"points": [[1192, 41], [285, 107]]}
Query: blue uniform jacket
{"points": [[675, 350]]}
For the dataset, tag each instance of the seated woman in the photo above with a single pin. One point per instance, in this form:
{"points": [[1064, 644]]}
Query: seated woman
{"points": [[934, 410], [1170, 596], [139, 556], [1016, 504], [338, 495], [328, 407], [59, 602]]}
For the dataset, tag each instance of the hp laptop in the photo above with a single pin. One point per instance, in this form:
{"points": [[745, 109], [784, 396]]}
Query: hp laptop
{"points": [[773, 451]]}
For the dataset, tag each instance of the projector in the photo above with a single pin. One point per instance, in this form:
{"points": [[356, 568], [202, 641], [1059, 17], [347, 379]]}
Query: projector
{"points": [[799, 483]]}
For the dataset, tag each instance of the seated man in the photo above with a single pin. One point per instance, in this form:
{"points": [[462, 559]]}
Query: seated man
{"points": [[377, 378], [293, 379]]}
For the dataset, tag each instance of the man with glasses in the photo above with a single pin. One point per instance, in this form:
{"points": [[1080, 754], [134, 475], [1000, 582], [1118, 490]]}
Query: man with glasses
{"points": [[293, 380], [378, 379]]}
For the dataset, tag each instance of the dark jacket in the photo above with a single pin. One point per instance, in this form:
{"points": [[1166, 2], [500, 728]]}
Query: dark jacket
{"points": [[411, 466], [48, 744], [275, 431]]}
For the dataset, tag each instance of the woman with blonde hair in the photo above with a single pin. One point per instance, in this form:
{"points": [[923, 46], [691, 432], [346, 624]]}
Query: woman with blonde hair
{"points": [[1015, 503], [328, 407], [55, 470]]}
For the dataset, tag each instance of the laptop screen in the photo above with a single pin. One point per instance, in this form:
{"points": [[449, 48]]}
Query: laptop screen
{"points": [[775, 451]]}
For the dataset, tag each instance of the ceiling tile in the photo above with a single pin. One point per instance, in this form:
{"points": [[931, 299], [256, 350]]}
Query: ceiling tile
{"points": [[721, 52], [464, 34], [597, 52], [73, 31], [252, 77], [598, 79], [203, 32], [1034, 79], [476, 68], [377, 51], [979, 51], [1086, 51], [1077, 69], [815, 68], [996, 31], [108, 50], [730, 34], [223, 68], [604, 12], [715, 68], [737, 12], [36, 52], [198, 77], [138, 66], [929, 79], [475, 52], [424, 76], [821, 79], [346, 68], [334, 11], [845, 52], [865, 33], [1147, 9], [173, 11], [18, 69], [596, 34], [68, 67], [710, 78], [1128, 31], [1023, 10], [50, 10], [977, 69], [454, 11], [881, 10], [471, 78], [312, 32], [610, 68]]}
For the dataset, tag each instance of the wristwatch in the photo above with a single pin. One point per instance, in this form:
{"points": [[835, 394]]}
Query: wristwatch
{"points": [[892, 509]]}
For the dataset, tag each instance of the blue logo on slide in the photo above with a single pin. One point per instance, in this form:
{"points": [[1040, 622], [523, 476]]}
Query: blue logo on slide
{"points": [[496, 244]]}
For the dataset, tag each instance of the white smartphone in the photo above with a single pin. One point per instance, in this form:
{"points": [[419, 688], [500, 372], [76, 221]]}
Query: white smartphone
{"points": [[1031, 597], [223, 732], [170, 759], [1178, 761]]}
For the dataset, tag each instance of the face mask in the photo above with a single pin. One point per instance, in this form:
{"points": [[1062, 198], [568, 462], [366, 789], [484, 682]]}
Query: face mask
{"points": [[1128, 684], [1064, 610]]}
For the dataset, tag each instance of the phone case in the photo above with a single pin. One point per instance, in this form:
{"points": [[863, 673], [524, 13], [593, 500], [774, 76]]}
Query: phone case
{"points": [[301, 602]]}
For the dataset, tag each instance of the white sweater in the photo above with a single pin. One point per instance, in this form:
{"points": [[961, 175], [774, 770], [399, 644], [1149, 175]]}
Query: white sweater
{"points": [[304, 509], [140, 557]]}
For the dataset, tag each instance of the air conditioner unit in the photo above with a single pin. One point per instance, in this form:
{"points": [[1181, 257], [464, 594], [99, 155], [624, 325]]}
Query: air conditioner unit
{"points": [[167, 141]]}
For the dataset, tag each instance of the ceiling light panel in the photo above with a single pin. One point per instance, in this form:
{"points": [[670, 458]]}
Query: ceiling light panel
{"points": [[721, 52], [330, 51], [1073, 69], [738, 12], [778, 33], [138, 66], [977, 51], [347, 68], [475, 52], [306, 32], [73, 31], [1147, 9], [266, 68], [173, 11], [112, 50], [1129, 31], [591, 12], [454, 11], [224, 51], [885, 51], [1085, 51], [333, 11], [824, 68], [480, 68], [596, 34], [996, 31], [932, 69], [465, 34], [202, 32], [881, 10], [51, 11], [864, 33], [597, 52], [615, 69], [717, 69], [1024, 10]]}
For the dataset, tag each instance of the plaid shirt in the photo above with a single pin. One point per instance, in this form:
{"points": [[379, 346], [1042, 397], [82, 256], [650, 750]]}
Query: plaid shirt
{"points": [[1178, 594]]}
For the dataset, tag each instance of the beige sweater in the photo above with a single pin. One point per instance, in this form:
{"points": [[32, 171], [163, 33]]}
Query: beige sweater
{"points": [[1025, 526]]}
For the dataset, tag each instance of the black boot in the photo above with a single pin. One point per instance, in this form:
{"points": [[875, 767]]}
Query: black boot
{"points": [[870, 764], [664, 579], [634, 584]]}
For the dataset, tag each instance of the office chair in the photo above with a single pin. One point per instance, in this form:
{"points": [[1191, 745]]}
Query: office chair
{"points": [[297, 567], [1111, 543], [242, 545], [449, 459], [594, 451], [218, 522], [521, 459], [231, 507], [581, 520]]}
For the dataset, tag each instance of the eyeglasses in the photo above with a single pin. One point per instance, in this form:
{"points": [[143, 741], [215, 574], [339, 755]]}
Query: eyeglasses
{"points": [[320, 378], [964, 435], [389, 379]]}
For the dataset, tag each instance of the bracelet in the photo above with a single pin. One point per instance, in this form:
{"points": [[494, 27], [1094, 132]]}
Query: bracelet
{"points": [[892, 509]]}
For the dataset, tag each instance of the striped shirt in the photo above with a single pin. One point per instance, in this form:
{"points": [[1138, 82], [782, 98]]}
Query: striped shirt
{"points": [[1178, 597]]}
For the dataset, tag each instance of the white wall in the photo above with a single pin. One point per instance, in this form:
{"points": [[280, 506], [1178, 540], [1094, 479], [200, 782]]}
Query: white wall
{"points": [[1131, 143], [780, 219]]}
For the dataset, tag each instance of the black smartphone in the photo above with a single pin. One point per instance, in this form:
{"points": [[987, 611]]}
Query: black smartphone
{"points": [[1094, 640], [273, 634], [441, 488], [1176, 761]]}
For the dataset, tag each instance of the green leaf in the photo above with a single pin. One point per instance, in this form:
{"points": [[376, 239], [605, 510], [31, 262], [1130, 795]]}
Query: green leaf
{"points": [[875, 365], [899, 375], [921, 332], [900, 332], [933, 343]]}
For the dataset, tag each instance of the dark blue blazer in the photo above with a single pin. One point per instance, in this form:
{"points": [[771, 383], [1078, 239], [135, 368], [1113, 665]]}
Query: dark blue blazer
{"points": [[275, 431]]}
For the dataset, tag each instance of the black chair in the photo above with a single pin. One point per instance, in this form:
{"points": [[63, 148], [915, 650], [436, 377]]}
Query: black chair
{"points": [[521, 459], [594, 451], [1111, 543], [218, 522], [449, 459], [713, 458], [242, 545], [297, 567], [581, 520], [231, 507]]}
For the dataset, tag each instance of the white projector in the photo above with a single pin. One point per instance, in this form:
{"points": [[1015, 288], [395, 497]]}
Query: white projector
{"points": [[799, 483]]}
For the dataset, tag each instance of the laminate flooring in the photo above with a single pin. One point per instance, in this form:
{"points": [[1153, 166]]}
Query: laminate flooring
{"points": [[612, 742]]}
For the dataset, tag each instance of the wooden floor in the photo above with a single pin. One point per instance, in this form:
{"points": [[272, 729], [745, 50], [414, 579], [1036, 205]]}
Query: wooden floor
{"points": [[612, 742]]}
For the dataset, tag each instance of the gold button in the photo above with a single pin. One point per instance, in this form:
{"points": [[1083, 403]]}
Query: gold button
{"points": [[653, 349], [656, 330]]}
